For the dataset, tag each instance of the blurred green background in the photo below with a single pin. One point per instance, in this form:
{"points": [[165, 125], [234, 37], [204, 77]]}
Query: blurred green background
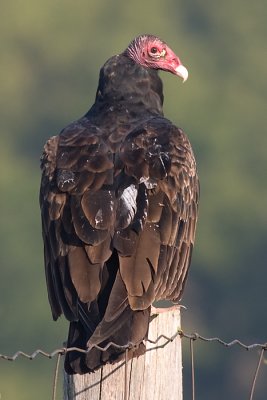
{"points": [[51, 53]]}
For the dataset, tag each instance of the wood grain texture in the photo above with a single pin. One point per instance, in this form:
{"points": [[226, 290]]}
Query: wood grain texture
{"points": [[156, 375]]}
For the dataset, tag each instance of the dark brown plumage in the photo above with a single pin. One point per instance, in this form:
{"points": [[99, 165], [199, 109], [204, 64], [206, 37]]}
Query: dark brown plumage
{"points": [[119, 197]]}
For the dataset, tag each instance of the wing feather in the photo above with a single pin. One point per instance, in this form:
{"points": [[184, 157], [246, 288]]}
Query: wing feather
{"points": [[77, 217], [165, 164]]}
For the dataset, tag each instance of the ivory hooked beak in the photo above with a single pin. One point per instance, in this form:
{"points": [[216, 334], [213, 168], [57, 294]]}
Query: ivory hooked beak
{"points": [[182, 72]]}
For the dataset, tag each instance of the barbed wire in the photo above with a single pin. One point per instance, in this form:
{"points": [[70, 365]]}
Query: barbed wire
{"points": [[193, 337]]}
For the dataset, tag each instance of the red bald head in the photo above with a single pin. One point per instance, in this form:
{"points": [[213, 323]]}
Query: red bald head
{"points": [[151, 52]]}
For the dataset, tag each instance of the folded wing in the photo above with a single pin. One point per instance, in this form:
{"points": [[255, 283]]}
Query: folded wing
{"points": [[118, 226]]}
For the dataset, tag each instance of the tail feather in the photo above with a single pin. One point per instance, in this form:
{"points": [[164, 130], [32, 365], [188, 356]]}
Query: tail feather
{"points": [[132, 329], [117, 323]]}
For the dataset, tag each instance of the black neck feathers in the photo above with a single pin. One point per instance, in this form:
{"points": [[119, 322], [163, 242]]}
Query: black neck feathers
{"points": [[125, 84]]}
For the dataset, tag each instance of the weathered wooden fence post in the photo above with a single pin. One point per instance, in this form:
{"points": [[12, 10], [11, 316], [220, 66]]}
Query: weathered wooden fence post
{"points": [[157, 375]]}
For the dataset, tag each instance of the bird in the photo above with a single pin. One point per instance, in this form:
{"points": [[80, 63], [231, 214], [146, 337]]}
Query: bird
{"points": [[119, 199]]}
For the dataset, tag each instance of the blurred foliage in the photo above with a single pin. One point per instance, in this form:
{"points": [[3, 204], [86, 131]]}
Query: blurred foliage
{"points": [[51, 53]]}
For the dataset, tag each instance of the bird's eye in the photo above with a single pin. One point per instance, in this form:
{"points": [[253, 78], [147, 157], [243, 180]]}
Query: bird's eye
{"points": [[153, 50]]}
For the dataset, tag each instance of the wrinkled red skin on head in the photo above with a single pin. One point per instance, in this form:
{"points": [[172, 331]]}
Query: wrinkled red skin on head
{"points": [[164, 59]]}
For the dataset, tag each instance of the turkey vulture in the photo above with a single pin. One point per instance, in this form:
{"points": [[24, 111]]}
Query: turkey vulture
{"points": [[119, 198]]}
